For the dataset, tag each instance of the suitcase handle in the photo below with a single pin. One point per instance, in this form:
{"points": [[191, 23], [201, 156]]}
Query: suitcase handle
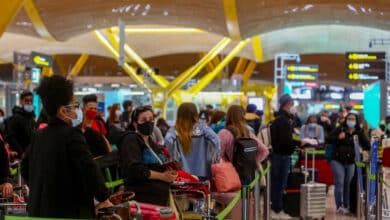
{"points": [[313, 164]]}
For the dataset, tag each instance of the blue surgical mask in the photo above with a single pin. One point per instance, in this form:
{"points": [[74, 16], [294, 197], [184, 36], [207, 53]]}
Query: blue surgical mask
{"points": [[312, 125], [79, 118], [28, 108], [351, 124], [1, 120]]}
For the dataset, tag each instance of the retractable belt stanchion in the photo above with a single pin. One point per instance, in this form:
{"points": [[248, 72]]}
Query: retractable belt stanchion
{"points": [[379, 186], [360, 190], [367, 195], [245, 202], [267, 196], [257, 199]]}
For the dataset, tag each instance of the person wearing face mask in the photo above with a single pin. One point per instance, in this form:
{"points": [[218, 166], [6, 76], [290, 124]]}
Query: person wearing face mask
{"points": [[91, 115], [20, 127], [126, 115], [326, 123], [312, 133], [114, 118], [141, 161], [283, 145], [59, 169], [343, 159], [2, 121]]}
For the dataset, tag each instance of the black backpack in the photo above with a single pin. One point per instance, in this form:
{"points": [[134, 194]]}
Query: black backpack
{"points": [[244, 155]]}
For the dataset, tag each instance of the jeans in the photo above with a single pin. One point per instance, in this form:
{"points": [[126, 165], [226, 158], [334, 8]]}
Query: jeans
{"points": [[343, 174], [280, 166]]}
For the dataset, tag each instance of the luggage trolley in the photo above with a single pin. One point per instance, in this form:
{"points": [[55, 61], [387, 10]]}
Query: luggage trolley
{"points": [[15, 205], [193, 199]]}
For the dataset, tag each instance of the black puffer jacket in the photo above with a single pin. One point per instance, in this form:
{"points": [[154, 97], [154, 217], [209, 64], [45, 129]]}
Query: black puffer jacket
{"points": [[61, 173], [282, 134], [344, 151], [19, 129]]}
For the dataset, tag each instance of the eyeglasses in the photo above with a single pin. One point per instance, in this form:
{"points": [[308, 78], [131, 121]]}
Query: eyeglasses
{"points": [[75, 105]]}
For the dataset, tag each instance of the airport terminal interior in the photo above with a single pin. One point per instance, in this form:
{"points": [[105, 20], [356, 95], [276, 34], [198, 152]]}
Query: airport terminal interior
{"points": [[289, 98]]}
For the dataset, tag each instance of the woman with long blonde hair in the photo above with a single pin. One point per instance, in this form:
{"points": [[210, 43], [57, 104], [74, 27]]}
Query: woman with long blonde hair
{"points": [[193, 144]]}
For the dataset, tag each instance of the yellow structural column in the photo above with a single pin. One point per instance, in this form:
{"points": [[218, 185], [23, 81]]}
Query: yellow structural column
{"points": [[240, 66], [138, 59], [232, 19], [79, 65], [258, 48], [210, 76], [36, 20], [8, 11], [248, 72], [190, 73], [126, 67]]}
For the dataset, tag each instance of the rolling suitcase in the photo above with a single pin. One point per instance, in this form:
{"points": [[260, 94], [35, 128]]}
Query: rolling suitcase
{"points": [[313, 197]]}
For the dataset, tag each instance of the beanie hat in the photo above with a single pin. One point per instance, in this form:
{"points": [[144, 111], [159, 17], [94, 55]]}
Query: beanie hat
{"points": [[284, 99], [251, 108]]}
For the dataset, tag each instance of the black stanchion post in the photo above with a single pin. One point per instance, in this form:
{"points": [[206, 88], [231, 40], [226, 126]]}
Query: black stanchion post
{"points": [[379, 176], [257, 199], [367, 202], [267, 196], [244, 201]]}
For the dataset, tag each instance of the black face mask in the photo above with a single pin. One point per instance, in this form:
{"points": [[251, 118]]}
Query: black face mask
{"points": [[146, 128]]}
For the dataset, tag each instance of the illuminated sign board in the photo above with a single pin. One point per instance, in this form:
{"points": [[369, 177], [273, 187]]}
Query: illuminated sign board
{"points": [[365, 65], [35, 75], [356, 96], [296, 76], [366, 76], [365, 56], [302, 68], [331, 106], [41, 60]]}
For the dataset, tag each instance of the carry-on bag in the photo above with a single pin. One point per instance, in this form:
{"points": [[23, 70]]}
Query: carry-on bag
{"points": [[313, 196]]}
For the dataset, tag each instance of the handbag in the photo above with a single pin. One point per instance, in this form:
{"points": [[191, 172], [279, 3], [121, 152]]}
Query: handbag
{"points": [[225, 177]]}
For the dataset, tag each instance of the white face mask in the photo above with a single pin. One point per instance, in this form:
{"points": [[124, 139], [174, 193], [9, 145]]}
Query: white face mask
{"points": [[293, 110], [323, 118], [1, 120], [79, 118]]}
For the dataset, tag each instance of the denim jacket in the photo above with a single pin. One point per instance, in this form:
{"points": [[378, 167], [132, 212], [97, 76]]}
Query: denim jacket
{"points": [[205, 148]]}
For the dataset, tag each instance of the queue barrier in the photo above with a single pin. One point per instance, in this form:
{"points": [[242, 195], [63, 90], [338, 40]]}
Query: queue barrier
{"points": [[242, 193]]}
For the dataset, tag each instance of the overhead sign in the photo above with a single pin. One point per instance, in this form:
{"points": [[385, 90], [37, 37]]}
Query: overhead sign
{"points": [[373, 56], [365, 65], [302, 68], [296, 76], [41, 60], [366, 76]]}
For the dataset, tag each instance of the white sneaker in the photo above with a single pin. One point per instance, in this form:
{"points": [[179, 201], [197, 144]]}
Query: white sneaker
{"points": [[283, 215], [345, 211], [340, 211]]}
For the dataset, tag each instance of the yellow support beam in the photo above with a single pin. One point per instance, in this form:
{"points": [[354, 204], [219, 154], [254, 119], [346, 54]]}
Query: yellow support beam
{"points": [[160, 30], [61, 66], [232, 19], [8, 11], [210, 76], [248, 71], [190, 73], [240, 65], [258, 48], [216, 61], [210, 66], [36, 20], [79, 65], [126, 67], [138, 59]]}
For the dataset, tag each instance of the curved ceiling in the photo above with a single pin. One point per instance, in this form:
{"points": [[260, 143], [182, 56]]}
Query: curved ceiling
{"points": [[68, 18], [302, 40]]}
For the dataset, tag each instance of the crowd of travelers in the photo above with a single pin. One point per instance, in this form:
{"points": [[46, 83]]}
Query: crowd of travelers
{"points": [[58, 149]]}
